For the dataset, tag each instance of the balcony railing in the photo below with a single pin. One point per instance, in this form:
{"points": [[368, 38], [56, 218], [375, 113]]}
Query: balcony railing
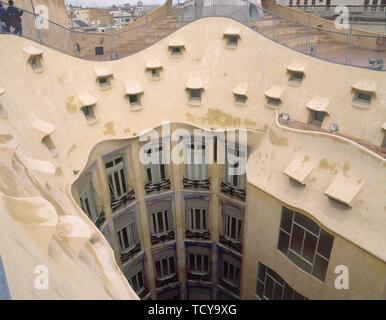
{"points": [[158, 186], [126, 255], [117, 203], [196, 184], [237, 246], [162, 282], [100, 220], [198, 235], [233, 191], [197, 276], [155, 239], [143, 293], [229, 286]]}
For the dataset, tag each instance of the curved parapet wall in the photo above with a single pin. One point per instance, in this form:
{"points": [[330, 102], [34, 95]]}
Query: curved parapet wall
{"points": [[47, 99], [304, 33]]}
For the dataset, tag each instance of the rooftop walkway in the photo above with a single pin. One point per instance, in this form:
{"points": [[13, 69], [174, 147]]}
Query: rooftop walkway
{"points": [[304, 33]]}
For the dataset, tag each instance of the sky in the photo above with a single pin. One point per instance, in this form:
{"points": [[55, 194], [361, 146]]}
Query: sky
{"points": [[105, 3]]}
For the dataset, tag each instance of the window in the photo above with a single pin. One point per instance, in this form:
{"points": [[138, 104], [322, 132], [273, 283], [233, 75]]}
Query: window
{"points": [[165, 267], [230, 273], [305, 243], [270, 286], [155, 169], [176, 50], [232, 224], [274, 102], [116, 177], [104, 82], [198, 263], [49, 145], [296, 76], [197, 220], [88, 112], [135, 100], [155, 73], [86, 197], [363, 97], [161, 222], [128, 237], [195, 95], [195, 160], [240, 98], [235, 166], [232, 40], [317, 118], [35, 62], [138, 282]]}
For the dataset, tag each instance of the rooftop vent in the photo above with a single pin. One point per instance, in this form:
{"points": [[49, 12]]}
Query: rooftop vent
{"points": [[134, 93], [232, 37], [44, 130], [104, 76], [195, 88], [296, 72], [240, 94], [273, 96], [35, 58], [87, 104], [176, 47], [154, 68]]}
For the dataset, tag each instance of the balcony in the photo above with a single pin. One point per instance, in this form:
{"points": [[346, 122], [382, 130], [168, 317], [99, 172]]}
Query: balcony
{"points": [[100, 220], [197, 235], [164, 281], [235, 245], [196, 184], [231, 287], [127, 254], [117, 203], [143, 293], [155, 239], [157, 187], [233, 191], [198, 276]]}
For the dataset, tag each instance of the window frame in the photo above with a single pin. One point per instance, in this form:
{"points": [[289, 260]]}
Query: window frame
{"points": [[195, 95], [273, 102], [158, 172], [276, 280], [236, 181], [161, 263], [193, 171], [90, 205], [89, 112], [205, 266], [225, 272], [298, 258], [118, 169], [230, 214]]}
